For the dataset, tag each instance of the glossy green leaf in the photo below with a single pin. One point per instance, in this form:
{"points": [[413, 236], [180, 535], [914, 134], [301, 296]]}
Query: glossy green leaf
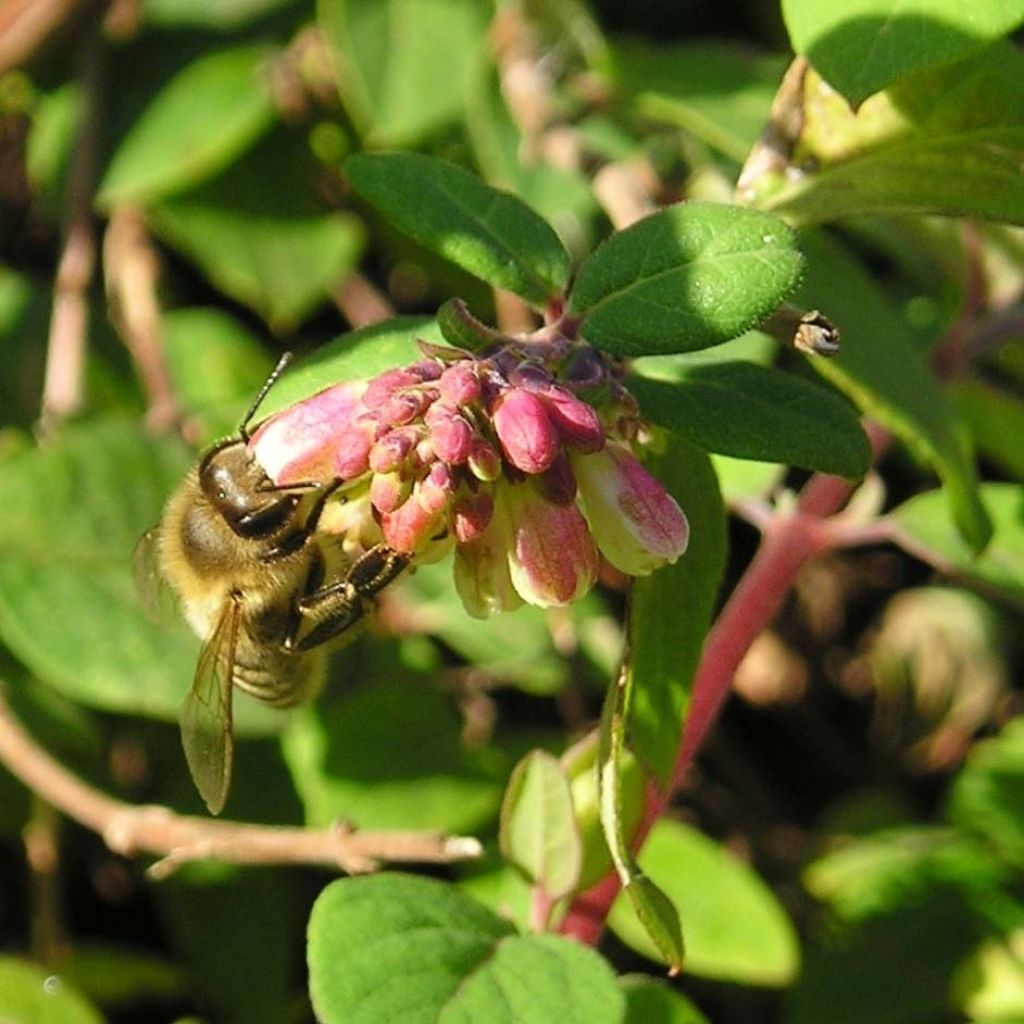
{"points": [[358, 355], [204, 118], [394, 946], [987, 797], [945, 141], [861, 46], [30, 994], [670, 611], [735, 928], [652, 1001], [659, 919], [539, 834], [388, 754], [402, 64], [488, 233], [749, 411], [922, 525], [881, 368], [739, 479], [688, 277], [721, 94]]}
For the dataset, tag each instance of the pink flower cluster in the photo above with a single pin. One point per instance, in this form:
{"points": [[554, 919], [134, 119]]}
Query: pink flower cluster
{"points": [[519, 456]]}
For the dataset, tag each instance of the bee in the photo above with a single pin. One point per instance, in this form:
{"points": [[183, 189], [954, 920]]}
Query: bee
{"points": [[260, 586]]}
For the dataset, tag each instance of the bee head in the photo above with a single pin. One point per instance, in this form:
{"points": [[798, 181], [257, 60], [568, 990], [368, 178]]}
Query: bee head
{"points": [[240, 490]]}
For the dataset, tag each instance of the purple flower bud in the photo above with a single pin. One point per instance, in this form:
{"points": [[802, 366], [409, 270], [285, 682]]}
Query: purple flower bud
{"points": [[575, 420], [460, 384], [530, 376], [425, 370], [586, 368], [528, 438]]}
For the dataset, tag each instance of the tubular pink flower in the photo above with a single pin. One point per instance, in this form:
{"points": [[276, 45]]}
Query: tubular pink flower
{"points": [[482, 576], [388, 491], [297, 444], [552, 558], [408, 527], [471, 515], [637, 523], [352, 446], [528, 437]]}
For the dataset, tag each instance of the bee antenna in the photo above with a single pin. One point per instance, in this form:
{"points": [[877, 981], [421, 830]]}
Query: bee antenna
{"points": [[282, 365]]}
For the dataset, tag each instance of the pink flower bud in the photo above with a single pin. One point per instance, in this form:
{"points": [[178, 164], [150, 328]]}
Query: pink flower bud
{"points": [[482, 576], [389, 490], [383, 386], [393, 449], [298, 443], [577, 422], [484, 461], [408, 527], [434, 492], [460, 384], [450, 434], [530, 377], [471, 515], [528, 438], [636, 522], [402, 407], [425, 370]]}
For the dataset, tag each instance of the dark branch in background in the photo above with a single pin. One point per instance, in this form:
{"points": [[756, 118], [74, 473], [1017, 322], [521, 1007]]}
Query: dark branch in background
{"points": [[131, 269], [128, 829], [69, 322]]}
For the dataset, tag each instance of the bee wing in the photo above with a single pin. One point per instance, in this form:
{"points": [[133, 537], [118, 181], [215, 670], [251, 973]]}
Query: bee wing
{"points": [[206, 715], [155, 594]]}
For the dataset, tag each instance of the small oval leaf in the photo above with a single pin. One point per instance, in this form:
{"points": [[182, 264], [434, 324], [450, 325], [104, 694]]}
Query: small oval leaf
{"points": [[688, 277]]}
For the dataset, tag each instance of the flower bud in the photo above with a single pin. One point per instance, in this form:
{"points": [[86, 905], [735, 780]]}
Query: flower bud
{"points": [[389, 490], [528, 438], [576, 421], [459, 384], [484, 461], [450, 434], [392, 449], [384, 385], [470, 516]]}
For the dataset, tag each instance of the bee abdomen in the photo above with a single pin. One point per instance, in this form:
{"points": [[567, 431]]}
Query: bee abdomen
{"points": [[280, 682]]}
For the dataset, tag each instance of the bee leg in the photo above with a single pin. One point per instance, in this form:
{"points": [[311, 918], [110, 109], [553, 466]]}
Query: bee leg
{"points": [[297, 540], [375, 569], [332, 610]]}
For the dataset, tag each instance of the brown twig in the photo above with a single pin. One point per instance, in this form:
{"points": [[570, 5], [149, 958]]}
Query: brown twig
{"points": [[128, 829], [360, 302], [65, 355], [25, 25], [131, 269], [773, 151], [625, 191]]}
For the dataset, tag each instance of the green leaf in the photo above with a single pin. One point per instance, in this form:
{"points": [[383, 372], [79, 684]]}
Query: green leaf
{"points": [[720, 94], [398, 947], [987, 797], [688, 277], [861, 46], [881, 368], [922, 525], [30, 994], [67, 604], [204, 118], [358, 355], [660, 920], [394, 946], [946, 141], [387, 754], [402, 64], [670, 611], [735, 928], [488, 233], [739, 479], [749, 411], [260, 236], [651, 1001], [121, 975], [539, 834]]}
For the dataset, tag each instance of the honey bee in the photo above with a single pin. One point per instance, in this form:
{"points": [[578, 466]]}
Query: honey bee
{"points": [[260, 586]]}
